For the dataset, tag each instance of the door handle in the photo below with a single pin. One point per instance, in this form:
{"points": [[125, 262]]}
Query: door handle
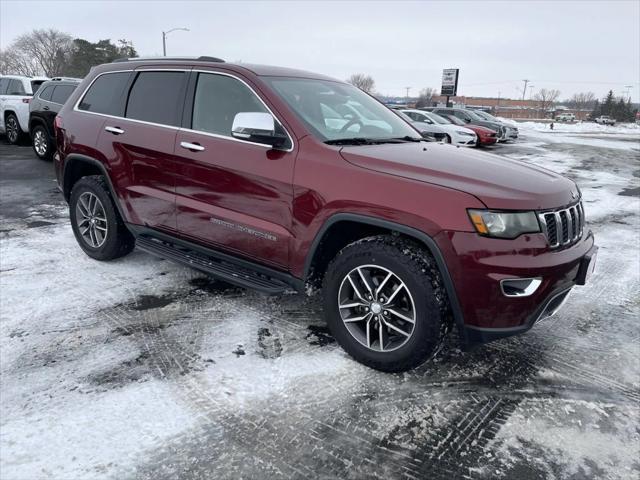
{"points": [[45, 108], [114, 130], [194, 147]]}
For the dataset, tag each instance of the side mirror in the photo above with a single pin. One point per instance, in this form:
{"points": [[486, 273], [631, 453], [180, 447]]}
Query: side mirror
{"points": [[258, 127]]}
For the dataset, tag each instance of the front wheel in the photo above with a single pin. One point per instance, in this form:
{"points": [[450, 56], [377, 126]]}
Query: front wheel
{"points": [[12, 129], [384, 303], [447, 138]]}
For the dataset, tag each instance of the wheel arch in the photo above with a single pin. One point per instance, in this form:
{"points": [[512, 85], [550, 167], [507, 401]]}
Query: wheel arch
{"points": [[77, 166], [37, 121], [370, 226]]}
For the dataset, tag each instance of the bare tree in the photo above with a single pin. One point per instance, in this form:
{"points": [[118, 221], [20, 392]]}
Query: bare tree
{"points": [[583, 101], [15, 62], [49, 49], [363, 82], [425, 97], [546, 99]]}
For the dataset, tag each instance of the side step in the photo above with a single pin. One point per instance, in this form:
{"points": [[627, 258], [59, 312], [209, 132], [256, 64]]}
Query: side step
{"points": [[214, 265]]}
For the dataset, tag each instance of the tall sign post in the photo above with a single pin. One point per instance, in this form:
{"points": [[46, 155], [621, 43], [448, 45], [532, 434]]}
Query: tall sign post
{"points": [[449, 83]]}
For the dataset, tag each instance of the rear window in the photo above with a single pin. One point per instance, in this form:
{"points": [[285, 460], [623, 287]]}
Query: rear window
{"points": [[157, 97], [35, 85], [105, 95], [62, 93], [46, 93]]}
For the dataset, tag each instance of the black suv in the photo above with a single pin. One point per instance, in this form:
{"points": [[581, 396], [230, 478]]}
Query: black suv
{"points": [[43, 108]]}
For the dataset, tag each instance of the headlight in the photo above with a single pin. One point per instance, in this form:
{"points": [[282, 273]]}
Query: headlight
{"points": [[504, 224], [467, 134]]}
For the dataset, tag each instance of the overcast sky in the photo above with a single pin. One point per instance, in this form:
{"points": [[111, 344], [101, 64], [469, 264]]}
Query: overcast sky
{"points": [[573, 46]]}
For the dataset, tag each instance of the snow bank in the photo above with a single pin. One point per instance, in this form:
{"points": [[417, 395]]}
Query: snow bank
{"points": [[583, 127]]}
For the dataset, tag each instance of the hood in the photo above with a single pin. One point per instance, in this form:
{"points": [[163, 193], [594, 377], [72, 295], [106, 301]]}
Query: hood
{"points": [[455, 128], [427, 127], [498, 182]]}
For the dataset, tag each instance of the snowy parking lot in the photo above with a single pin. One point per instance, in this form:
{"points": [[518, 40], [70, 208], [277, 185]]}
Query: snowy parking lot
{"points": [[140, 368]]}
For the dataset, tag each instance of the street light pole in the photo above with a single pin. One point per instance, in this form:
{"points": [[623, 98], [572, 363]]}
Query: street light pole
{"points": [[164, 38]]}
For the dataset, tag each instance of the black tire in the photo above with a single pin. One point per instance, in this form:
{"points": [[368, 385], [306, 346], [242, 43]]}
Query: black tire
{"points": [[117, 241], [417, 270], [12, 129], [40, 134], [447, 138]]}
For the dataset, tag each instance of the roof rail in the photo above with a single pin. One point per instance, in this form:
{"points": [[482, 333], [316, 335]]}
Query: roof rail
{"points": [[65, 79], [202, 58]]}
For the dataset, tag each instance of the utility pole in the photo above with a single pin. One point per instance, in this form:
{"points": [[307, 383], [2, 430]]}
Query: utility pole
{"points": [[407, 96], [524, 91], [628, 91], [498, 104]]}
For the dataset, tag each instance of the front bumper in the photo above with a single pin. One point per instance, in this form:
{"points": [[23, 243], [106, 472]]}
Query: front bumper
{"points": [[477, 265]]}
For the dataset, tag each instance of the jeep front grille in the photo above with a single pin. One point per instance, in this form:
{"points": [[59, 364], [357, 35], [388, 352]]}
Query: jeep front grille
{"points": [[563, 227]]}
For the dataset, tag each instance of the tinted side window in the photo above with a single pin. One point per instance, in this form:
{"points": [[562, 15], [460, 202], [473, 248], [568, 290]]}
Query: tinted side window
{"points": [[4, 83], [16, 88], [46, 93], [105, 95], [61, 93], [157, 97], [218, 99]]}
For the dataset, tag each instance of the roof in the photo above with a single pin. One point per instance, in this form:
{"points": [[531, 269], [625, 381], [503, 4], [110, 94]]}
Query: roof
{"points": [[260, 70]]}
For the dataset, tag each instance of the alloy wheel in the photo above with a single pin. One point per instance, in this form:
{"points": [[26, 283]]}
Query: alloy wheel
{"points": [[377, 308], [40, 143], [12, 129], [91, 219]]}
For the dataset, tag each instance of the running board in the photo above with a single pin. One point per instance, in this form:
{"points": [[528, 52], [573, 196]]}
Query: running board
{"points": [[216, 266]]}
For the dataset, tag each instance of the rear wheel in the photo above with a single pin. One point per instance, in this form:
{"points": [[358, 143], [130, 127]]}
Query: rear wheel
{"points": [[12, 129], [42, 144], [381, 304], [96, 223]]}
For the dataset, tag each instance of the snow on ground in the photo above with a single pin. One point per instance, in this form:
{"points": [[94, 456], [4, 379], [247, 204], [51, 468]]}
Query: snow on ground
{"points": [[140, 368], [582, 127]]}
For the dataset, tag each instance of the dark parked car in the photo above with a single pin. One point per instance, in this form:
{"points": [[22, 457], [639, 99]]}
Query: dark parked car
{"points": [[251, 174], [43, 108], [470, 117]]}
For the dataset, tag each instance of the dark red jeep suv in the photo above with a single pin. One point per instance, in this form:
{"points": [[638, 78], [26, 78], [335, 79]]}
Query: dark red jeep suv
{"points": [[272, 178]]}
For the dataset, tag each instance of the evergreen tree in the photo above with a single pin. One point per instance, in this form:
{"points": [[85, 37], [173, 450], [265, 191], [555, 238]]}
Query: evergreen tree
{"points": [[608, 105], [86, 55]]}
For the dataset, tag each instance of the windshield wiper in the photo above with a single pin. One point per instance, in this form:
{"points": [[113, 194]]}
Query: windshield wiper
{"points": [[371, 141], [351, 141]]}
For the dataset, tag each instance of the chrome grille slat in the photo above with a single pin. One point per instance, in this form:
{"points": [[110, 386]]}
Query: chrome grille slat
{"points": [[564, 226]]}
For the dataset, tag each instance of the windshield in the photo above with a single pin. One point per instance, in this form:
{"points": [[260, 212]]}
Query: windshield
{"points": [[475, 116], [486, 116], [455, 120], [437, 118], [336, 111]]}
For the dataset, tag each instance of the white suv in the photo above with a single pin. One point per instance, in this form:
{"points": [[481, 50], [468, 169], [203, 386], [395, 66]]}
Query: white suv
{"points": [[15, 94]]}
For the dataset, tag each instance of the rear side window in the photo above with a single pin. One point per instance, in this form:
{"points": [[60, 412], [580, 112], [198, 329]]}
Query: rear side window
{"points": [[218, 99], [105, 95], [62, 93], [46, 93], [16, 87], [157, 97], [4, 83]]}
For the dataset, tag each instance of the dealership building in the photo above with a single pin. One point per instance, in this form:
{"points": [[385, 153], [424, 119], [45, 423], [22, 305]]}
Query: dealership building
{"points": [[508, 108]]}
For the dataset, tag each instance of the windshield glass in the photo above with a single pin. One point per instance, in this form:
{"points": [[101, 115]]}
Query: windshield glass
{"points": [[486, 116], [336, 111], [475, 116], [437, 118], [455, 120]]}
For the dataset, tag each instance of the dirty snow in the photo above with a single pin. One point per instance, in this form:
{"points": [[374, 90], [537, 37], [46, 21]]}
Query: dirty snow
{"points": [[140, 368]]}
